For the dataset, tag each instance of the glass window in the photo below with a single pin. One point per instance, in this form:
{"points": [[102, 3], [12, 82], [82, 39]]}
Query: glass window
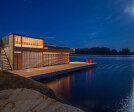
{"points": [[17, 40], [32, 42]]}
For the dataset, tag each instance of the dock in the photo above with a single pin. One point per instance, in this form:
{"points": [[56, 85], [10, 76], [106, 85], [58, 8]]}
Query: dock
{"points": [[50, 71]]}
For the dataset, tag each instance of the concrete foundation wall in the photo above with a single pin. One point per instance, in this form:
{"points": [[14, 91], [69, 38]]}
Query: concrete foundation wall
{"points": [[11, 43], [8, 47]]}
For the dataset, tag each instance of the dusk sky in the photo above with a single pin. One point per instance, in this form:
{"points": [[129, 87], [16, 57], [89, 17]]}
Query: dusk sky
{"points": [[72, 23]]}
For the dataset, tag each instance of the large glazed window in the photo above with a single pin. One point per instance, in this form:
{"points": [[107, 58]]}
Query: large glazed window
{"points": [[55, 59], [27, 42], [17, 40], [32, 42], [31, 59]]}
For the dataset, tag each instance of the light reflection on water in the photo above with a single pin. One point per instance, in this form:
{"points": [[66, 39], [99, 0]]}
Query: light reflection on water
{"points": [[60, 85], [107, 88]]}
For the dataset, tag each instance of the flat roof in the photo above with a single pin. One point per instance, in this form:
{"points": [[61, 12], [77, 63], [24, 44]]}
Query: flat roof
{"points": [[26, 36], [50, 46], [55, 47]]}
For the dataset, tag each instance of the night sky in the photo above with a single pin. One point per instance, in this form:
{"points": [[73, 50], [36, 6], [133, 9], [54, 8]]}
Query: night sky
{"points": [[72, 23]]}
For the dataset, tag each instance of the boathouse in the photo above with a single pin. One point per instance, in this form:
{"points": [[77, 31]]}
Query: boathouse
{"points": [[21, 52]]}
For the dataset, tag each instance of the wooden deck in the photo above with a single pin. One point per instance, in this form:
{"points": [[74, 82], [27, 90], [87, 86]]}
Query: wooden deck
{"points": [[49, 71]]}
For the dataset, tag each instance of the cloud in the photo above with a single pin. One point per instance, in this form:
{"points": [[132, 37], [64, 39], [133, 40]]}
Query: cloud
{"points": [[93, 34], [49, 38], [109, 17], [129, 10], [94, 44]]}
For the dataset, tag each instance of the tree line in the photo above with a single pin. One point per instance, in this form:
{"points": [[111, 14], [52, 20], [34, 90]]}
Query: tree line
{"points": [[102, 51]]}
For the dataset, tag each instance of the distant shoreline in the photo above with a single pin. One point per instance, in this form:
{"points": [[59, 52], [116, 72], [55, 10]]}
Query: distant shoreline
{"points": [[101, 55]]}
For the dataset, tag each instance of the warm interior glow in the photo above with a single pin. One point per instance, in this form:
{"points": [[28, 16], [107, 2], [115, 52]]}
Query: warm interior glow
{"points": [[32, 42], [28, 42], [17, 40], [45, 47]]}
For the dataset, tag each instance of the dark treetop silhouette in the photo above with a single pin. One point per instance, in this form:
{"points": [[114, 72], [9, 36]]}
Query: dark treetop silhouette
{"points": [[102, 51]]}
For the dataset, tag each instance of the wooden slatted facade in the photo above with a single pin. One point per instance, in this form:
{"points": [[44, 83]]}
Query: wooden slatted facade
{"points": [[29, 52], [31, 59], [55, 59]]}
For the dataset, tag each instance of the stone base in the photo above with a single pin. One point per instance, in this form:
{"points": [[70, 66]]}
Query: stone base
{"points": [[28, 100]]}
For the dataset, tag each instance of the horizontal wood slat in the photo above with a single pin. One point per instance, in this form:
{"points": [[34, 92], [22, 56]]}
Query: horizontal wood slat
{"points": [[55, 59], [31, 59]]}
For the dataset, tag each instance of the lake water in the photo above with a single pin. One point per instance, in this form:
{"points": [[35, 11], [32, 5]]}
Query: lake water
{"points": [[106, 88]]}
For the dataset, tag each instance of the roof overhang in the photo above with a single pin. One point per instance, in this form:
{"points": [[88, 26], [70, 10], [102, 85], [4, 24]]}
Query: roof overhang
{"points": [[46, 49]]}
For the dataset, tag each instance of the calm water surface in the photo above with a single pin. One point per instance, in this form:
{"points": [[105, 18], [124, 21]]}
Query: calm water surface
{"points": [[106, 88]]}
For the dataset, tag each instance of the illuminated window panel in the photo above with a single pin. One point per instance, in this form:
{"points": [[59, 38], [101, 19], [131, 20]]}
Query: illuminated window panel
{"points": [[32, 43], [17, 41], [31, 59], [55, 58]]}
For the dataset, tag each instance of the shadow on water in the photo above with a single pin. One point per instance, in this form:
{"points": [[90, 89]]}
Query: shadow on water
{"points": [[107, 88]]}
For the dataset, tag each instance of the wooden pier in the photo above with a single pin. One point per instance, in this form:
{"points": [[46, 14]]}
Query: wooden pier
{"points": [[50, 71]]}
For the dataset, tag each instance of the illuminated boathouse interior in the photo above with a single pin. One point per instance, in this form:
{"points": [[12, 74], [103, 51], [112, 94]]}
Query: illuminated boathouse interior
{"points": [[23, 52]]}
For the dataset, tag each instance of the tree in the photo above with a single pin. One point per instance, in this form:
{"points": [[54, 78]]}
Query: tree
{"points": [[113, 52], [102, 51], [124, 51]]}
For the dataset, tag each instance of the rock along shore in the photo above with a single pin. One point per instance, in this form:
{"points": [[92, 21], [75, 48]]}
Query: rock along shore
{"points": [[20, 94]]}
